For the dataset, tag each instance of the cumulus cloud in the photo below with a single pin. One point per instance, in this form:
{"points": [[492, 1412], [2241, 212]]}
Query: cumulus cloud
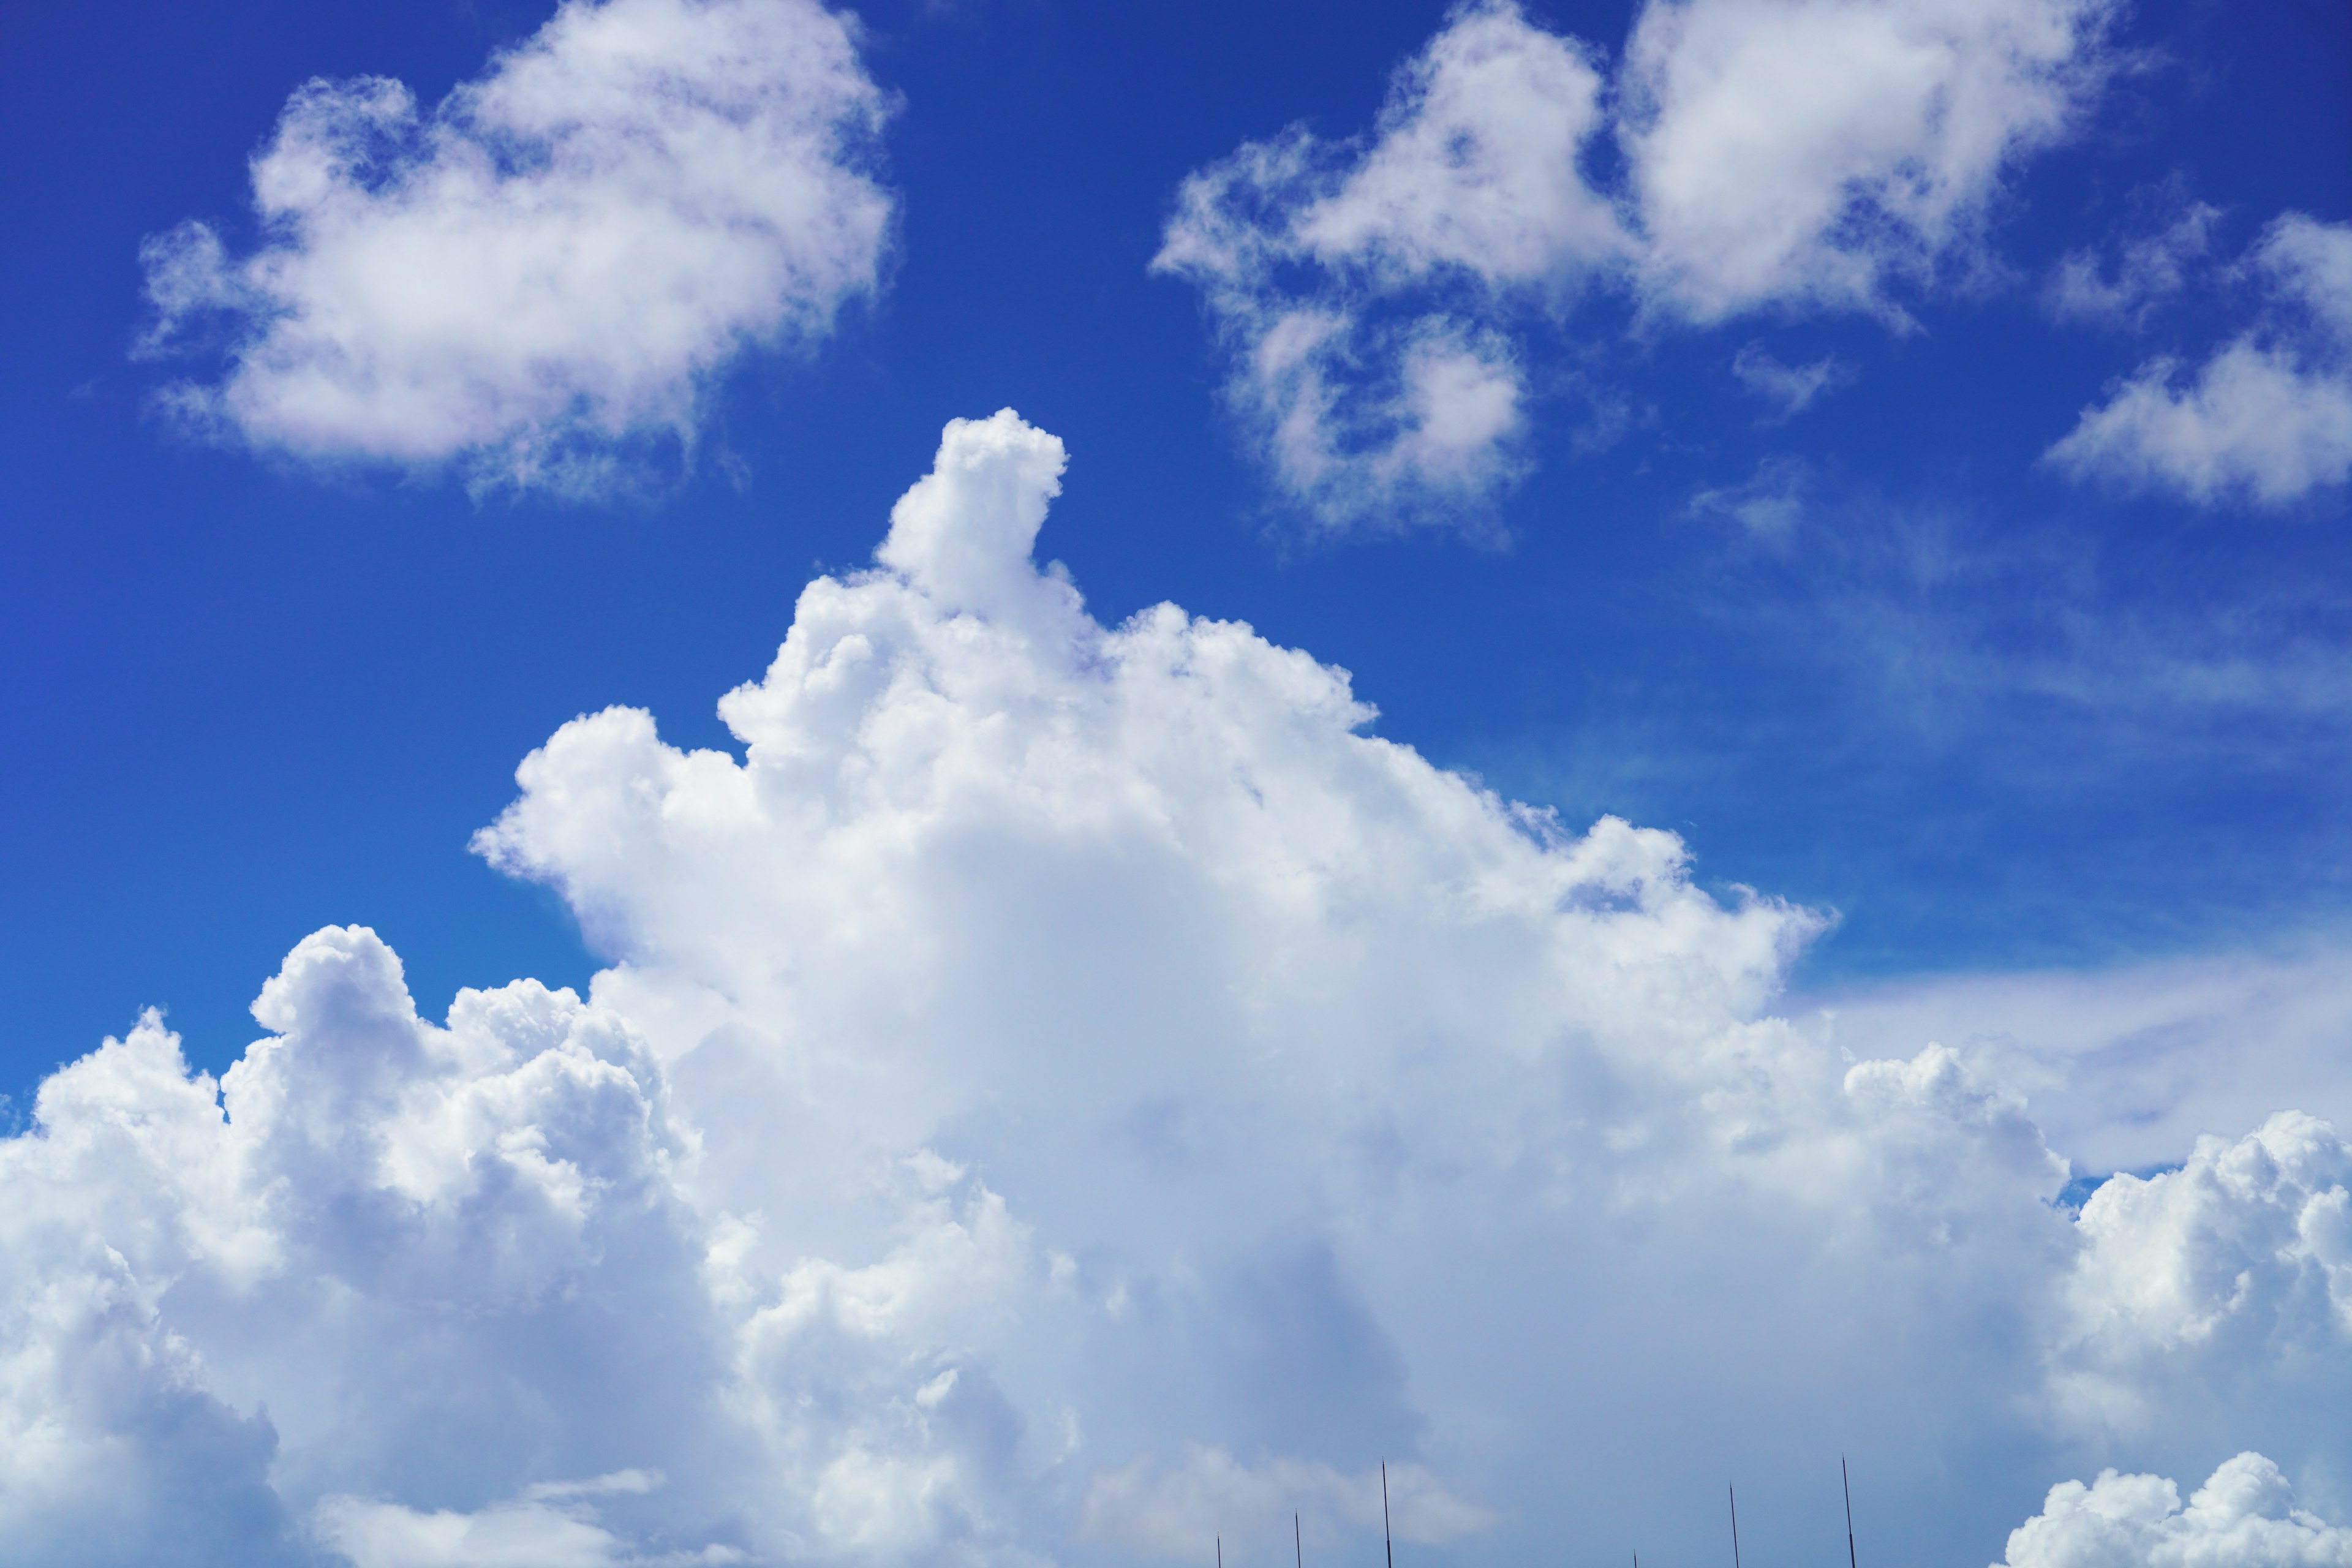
{"points": [[1804, 151], [1791, 155], [2268, 418], [540, 274], [1303, 249], [2243, 1517], [2241, 1259], [1057, 1090]]}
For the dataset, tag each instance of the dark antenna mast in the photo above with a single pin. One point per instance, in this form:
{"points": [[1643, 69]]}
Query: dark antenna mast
{"points": [[1386, 1537], [1297, 1544], [1734, 1523], [1847, 1481], [1220, 1552]]}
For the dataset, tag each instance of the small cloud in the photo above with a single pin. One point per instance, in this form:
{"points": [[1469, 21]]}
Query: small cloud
{"points": [[1792, 386], [1811, 152], [1329, 271], [2144, 272], [2268, 418], [535, 277], [1769, 504]]}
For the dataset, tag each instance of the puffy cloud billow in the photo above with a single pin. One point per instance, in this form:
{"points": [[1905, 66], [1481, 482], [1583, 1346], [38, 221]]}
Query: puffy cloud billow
{"points": [[2243, 1517], [1060, 1092], [1373, 294], [536, 277]]}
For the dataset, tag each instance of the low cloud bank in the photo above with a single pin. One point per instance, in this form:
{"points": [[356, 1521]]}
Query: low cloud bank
{"points": [[1061, 1090]]}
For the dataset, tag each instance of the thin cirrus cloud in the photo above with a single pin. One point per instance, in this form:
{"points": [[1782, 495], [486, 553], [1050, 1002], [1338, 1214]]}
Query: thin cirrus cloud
{"points": [[1373, 295], [1067, 1091], [2267, 419], [539, 275]]}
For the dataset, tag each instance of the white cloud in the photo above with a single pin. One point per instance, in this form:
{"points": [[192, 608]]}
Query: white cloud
{"points": [[2127, 1068], [2268, 418], [538, 277], [2219, 1289], [1044, 1049], [1473, 164], [1471, 178], [1789, 154], [550, 1526], [1804, 152], [2244, 1517]]}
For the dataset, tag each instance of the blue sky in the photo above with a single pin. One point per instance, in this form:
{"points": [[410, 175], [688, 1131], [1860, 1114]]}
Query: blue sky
{"points": [[2042, 736]]}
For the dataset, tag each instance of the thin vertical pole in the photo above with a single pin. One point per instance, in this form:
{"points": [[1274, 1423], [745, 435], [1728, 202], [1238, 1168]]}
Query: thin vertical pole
{"points": [[1847, 1481], [1387, 1537], [1296, 1541], [1734, 1523], [1220, 1552]]}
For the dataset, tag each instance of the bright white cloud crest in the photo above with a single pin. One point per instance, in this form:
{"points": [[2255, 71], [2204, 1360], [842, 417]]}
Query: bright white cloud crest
{"points": [[1785, 156], [551, 262], [2243, 1517], [1064, 1090]]}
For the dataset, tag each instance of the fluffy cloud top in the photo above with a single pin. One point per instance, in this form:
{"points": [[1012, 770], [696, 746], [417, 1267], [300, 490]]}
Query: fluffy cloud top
{"points": [[1060, 1090], [1800, 153], [2269, 416], [2243, 1517], [549, 264]]}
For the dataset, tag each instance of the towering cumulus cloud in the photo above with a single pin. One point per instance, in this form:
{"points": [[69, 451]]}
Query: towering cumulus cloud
{"points": [[1373, 294], [547, 265], [1065, 1092]]}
